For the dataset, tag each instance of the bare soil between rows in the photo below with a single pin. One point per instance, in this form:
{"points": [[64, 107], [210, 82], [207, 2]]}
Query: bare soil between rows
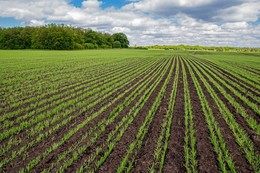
{"points": [[174, 158]]}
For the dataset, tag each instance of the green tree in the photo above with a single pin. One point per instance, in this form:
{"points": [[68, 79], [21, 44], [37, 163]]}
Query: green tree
{"points": [[53, 37], [58, 37], [11, 39], [26, 37], [117, 44], [122, 38]]}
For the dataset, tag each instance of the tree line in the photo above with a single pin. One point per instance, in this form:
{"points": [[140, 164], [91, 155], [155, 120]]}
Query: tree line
{"points": [[204, 48], [59, 37]]}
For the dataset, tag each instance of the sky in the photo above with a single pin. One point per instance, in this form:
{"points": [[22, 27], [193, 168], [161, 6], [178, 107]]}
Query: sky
{"points": [[147, 22]]}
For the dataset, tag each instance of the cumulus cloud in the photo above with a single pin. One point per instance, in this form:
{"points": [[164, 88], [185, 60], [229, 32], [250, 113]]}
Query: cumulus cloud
{"points": [[201, 9], [31, 9], [34, 23], [249, 12], [235, 25], [145, 21], [91, 4], [121, 29], [155, 5]]}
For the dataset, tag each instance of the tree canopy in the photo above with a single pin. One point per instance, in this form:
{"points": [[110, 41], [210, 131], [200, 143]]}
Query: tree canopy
{"points": [[117, 44], [122, 38], [59, 37]]}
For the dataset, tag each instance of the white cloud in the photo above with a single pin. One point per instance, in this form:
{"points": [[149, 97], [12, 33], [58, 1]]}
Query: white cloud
{"points": [[91, 5], [249, 12], [235, 25], [121, 29], [34, 23], [31, 9], [155, 5], [142, 27]]}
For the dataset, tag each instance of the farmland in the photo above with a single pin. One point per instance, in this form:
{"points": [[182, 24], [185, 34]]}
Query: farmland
{"points": [[129, 111]]}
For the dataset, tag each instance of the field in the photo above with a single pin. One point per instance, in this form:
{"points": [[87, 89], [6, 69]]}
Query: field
{"points": [[129, 111]]}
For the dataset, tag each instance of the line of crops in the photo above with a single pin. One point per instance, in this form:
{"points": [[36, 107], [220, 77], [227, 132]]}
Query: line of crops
{"points": [[155, 112]]}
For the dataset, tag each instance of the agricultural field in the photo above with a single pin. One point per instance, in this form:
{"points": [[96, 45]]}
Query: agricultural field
{"points": [[129, 111]]}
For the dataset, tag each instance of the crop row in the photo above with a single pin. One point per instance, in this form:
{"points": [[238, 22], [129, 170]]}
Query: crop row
{"points": [[103, 119], [67, 117], [240, 135]]}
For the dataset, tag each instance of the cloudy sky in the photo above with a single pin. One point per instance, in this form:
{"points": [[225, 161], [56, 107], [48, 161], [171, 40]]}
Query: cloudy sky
{"points": [[147, 22]]}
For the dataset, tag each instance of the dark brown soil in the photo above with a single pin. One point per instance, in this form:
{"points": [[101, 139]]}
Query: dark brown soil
{"points": [[207, 159], [174, 160], [239, 119], [102, 138], [231, 77], [65, 88], [235, 152], [254, 71], [115, 158], [145, 157], [250, 111], [71, 125], [83, 86], [23, 133], [65, 129], [249, 69], [230, 81]]}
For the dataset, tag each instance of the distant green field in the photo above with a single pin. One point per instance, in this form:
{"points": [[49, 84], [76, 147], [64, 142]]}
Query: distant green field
{"points": [[129, 111]]}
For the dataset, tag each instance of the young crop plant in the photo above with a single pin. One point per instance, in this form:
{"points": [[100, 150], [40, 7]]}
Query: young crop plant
{"points": [[237, 84], [248, 88], [129, 110], [162, 143], [239, 108], [127, 162], [126, 121], [68, 91], [223, 156], [239, 75], [36, 129], [240, 135], [22, 149], [105, 123], [79, 126], [190, 140]]}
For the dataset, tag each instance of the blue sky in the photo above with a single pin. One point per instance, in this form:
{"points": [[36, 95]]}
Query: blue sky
{"points": [[9, 22], [76, 3], [147, 22], [106, 3]]}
